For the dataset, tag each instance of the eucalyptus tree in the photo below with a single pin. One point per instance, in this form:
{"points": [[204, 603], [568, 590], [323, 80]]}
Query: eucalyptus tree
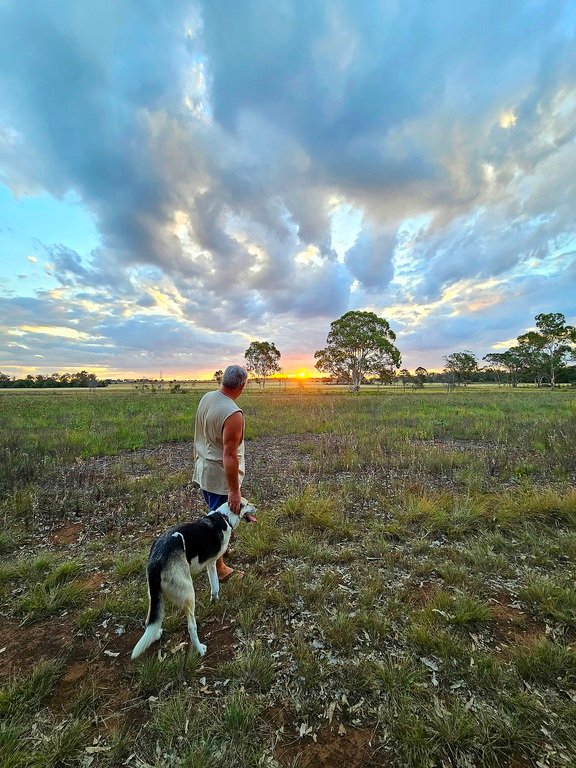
{"points": [[421, 375], [262, 360], [359, 344], [530, 350], [550, 345], [513, 362], [461, 366], [405, 377]]}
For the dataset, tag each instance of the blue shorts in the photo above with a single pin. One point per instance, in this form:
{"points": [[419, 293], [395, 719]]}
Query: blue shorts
{"points": [[214, 500]]}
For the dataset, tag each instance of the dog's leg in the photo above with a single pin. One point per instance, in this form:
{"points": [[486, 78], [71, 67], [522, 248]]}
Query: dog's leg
{"points": [[214, 581], [190, 608], [178, 587]]}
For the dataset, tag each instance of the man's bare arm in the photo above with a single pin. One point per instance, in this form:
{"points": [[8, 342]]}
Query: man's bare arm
{"points": [[232, 435]]}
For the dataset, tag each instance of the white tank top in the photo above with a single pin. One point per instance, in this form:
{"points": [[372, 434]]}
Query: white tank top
{"points": [[213, 410]]}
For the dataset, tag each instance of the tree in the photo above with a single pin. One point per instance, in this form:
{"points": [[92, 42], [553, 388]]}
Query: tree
{"points": [[80, 379], [539, 354], [531, 354], [405, 377], [461, 365], [384, 375], [262, 359], [421, 375], [218, 376], [513, 362], [358, 344], [551, 344]]}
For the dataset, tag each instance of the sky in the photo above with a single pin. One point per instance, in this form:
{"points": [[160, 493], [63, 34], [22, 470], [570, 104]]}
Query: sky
{"points": [[179, 178]]}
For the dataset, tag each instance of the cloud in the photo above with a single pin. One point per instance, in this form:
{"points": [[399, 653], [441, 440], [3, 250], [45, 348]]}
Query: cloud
{"points": [[370, 259], [212, 143]]}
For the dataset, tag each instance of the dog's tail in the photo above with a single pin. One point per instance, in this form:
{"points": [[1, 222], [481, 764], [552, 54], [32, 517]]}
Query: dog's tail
{"points": [[155, 616]]}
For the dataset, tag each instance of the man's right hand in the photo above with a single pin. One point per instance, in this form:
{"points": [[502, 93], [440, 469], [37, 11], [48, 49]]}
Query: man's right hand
{"points": [[235, 501]]}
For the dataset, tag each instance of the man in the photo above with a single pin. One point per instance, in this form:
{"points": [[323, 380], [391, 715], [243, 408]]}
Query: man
{"points": [[219, 447]]}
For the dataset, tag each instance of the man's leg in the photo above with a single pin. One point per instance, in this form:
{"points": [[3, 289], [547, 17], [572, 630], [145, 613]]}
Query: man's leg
{"points": [[215, 500]]}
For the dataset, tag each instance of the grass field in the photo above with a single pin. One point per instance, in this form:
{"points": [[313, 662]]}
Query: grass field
{"points": [[409, 597]]}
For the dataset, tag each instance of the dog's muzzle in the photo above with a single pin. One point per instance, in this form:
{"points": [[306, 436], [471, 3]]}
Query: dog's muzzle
{"points": [[247, 515]]}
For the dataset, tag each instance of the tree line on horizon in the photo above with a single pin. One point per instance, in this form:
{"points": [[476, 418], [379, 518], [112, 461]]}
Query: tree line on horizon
{"points": [[360, 349], [53, 381]]}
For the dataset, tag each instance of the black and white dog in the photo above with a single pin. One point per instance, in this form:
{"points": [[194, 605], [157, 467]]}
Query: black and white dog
{"points": [[176, 556]]}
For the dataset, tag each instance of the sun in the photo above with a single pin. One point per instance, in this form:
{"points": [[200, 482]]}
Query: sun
{"points": [[302, 373]]}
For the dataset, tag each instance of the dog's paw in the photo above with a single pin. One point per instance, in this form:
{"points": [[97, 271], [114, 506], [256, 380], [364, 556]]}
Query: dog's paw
{"points": [[201, 649]]}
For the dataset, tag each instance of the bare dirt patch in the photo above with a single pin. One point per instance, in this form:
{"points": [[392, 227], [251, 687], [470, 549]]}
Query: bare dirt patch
{"points": [[350, 747], [512, 626], [66, 534], [27, 646], [85, 509]]}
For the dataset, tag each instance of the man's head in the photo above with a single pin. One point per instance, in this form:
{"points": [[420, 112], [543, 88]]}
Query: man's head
{"points": [[234, 377]]}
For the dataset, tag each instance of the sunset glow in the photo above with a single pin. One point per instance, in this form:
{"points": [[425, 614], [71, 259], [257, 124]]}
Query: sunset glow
{"points": [[297, 373]]}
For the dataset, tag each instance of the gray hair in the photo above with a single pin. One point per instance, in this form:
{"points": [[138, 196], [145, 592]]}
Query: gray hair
{"points": [[234, 377]]}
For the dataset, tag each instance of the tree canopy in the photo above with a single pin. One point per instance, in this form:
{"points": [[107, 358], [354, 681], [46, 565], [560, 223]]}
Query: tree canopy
{"points": [[512, 362], [262, 359], [461, 365], [53, 381], [549, 346], [359, 344], [541, 354]]}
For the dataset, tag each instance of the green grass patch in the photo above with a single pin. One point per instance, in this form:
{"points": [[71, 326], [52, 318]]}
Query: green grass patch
{"points": [[550, 599], [25, 695], [42, 600], [127, 567], [545, 662], [253, 668]]}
